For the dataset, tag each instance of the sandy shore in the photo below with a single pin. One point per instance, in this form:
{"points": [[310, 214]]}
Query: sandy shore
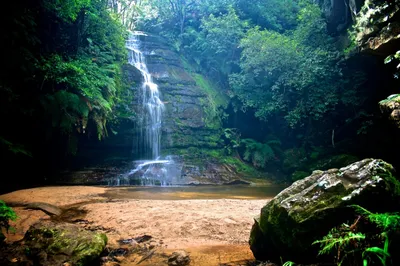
{"points": [[217, 229]]}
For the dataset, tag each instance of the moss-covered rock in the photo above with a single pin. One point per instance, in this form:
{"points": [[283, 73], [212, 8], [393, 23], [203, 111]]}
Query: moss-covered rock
{"points": [[391, 107], [51, 243], [192, 102], [377, 27], [309, 208]]}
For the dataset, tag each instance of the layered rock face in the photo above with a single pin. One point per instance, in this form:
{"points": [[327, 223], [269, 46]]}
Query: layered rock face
{"points": [[190, 118], [309, 208]]}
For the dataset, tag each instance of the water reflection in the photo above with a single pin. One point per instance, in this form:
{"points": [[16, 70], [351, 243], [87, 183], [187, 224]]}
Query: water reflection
{"points": [[196, 192]]}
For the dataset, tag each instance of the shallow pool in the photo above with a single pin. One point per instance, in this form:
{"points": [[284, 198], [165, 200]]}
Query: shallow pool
{"points": [[195, 192]]}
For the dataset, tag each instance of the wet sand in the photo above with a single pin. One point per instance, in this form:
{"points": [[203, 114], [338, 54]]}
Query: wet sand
{"points": [[213, 231]]}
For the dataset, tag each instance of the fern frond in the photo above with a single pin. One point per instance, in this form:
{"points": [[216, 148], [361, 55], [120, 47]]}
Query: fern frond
{"points": [[387, 221]]}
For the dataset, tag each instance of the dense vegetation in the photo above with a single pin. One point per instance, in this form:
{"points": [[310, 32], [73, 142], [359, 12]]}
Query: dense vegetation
{"points": [[61, 79], [310, 97], [301, 96], [308, 90]]}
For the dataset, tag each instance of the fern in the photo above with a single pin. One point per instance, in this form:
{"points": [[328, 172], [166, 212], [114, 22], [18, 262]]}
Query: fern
{"points": [[259, 154], [289, 263], [341, 240], [347, 240], [15, 147], [6, 214], [388, 222]]}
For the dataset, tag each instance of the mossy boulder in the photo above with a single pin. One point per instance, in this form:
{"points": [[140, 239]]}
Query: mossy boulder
{"points": [[391, 108], [51, 243], [309, 208]]}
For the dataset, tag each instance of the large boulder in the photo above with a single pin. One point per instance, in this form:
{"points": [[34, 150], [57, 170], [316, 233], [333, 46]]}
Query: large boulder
{"points": [[309, 208], [50, 243]]}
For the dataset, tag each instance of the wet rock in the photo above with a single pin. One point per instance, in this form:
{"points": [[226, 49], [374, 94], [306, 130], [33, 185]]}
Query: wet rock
{"points": [[339, 14], [391, 108], [309, 208], [377, 27], [179, 258], [54, 244]]}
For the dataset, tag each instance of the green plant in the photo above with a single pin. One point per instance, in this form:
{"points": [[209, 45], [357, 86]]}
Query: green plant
{"points": [[388, 223], [231, 138], [396, 57], [259, 154], [6, 214], [353, 245], [341, 239], [289, 263]]}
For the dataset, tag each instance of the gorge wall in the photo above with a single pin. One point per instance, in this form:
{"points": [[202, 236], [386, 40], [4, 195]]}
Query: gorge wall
{"points": [[191, 116]]}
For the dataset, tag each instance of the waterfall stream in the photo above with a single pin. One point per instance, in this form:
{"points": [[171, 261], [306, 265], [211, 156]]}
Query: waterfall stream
{"points": [[152, 107], [153, 170]]}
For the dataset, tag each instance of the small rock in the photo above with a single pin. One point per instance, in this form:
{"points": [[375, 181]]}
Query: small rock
{"points": [[179, 258]]}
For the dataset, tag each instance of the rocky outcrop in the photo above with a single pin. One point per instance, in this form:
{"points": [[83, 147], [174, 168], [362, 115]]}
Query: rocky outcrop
{"points": [[191, 117], [391, 108], [340, 14], [56, 244], [309, 208], [377, 27]]}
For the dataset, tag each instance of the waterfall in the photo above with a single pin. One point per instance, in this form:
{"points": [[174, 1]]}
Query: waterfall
{"points": [[151, 106], [153, 171]]}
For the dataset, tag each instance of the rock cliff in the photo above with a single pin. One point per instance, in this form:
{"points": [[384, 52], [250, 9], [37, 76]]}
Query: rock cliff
{"points": [[191, 117]]}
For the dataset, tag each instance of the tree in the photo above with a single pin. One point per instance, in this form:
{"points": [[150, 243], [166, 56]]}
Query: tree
{"points": [[216, 46], [289, 74]]}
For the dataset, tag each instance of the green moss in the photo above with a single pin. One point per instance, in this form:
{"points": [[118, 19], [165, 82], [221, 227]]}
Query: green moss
{"points": [[213, 104], [186, 65], [218, 99]]}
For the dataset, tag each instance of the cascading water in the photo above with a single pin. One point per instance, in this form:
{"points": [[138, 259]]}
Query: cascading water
{"points": [[154, 171], [152, 106]]}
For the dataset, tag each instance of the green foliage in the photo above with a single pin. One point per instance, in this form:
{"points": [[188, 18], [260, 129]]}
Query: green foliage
{"points": [[6, 214], [295, 72], [215, 46], [259, 154], [277, 15], [294, 158], [289, 263], [231, 137], [385, 221], [353, 246], [65, 78], [67, 10], [214, 104], [393, 58], [341, 239], [15, 147], [88, 83]]}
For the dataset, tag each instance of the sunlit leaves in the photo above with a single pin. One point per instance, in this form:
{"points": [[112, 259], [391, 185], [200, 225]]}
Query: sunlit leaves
{"points": [[67, 10], [217, 43], [291, 74]]}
